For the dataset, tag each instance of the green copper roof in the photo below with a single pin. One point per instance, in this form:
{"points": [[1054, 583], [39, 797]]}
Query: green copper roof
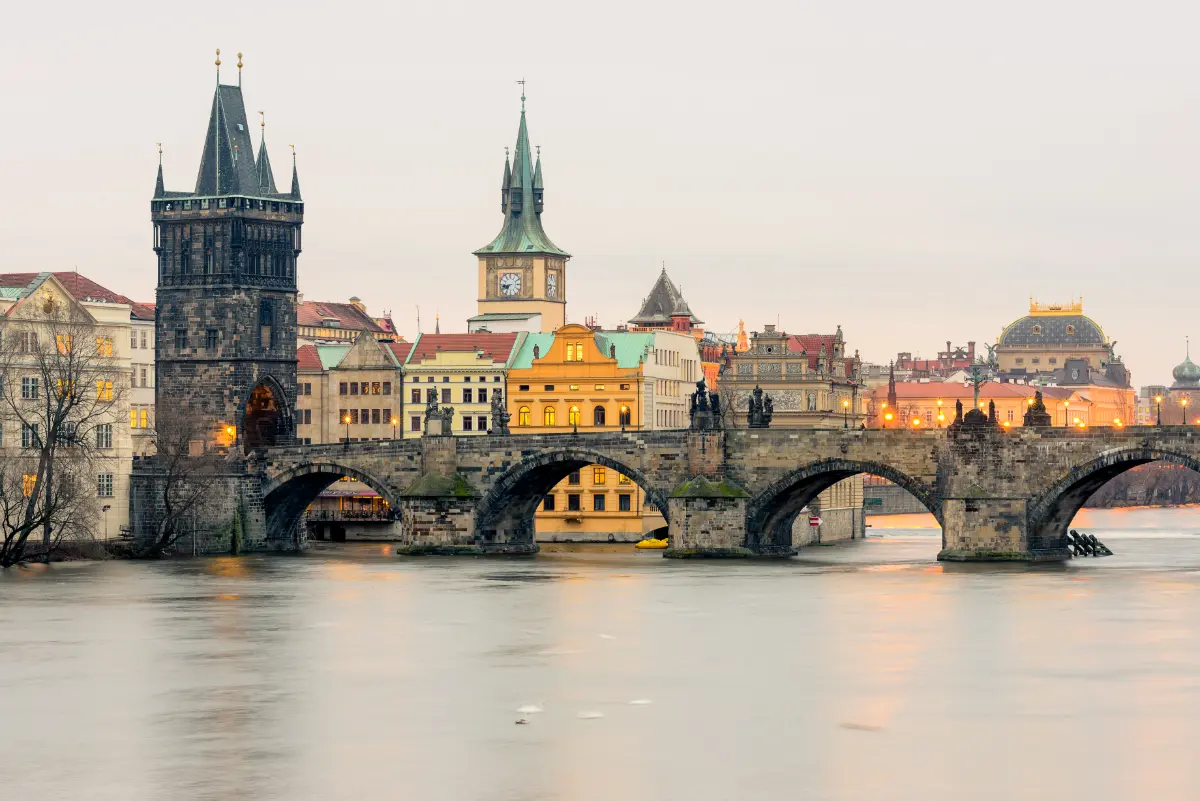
{"points": [[331, 355], [631, 348], [521, 202]]}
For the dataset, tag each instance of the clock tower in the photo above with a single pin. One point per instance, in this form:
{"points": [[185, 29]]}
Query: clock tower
{"points": [[522, 274]]}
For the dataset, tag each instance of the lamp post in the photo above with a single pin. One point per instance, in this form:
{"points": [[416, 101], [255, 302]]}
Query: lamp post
{"points": [[395, 427], [1158, 402], [346, 420], [1183, 402], [845, 413], [941, 415], [886, 415], [1066, 414]]}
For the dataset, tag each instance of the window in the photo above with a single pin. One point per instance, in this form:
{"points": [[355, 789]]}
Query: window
{"points": [[342, 388], [598, 475], [365, 417], [623, 479], [415, 423], [416, 396], [1020, 360], [549, 388], [210, 339], [481, 423], [523, 388], [64, 343], [495, 379], [625, 387], [574, 351], [467, 393], [308, 389], [625, 416], [145, 377], [574, 387], [29, 342], [353, 417], [308, 417], [104, 390], [133, 339], [387, 387], [573, 502], [144, 418], [104, 485], [445, 395], [104, 346], [597, 503], [623, 503], [445, 379], [573, 478], [1036, 360], [29, 388], [482, 395], [1054, 360], [143, 339], [353, 387], [573, 416], [29, 435], [375, 418], [599, 387], [466, 422], [28, 482], [548, 416], [133, 418], [523, 416], [1010, 415], [548, 503], [376, 388], [598, 416]]}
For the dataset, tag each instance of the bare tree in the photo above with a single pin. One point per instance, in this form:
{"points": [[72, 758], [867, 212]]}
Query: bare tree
{"points": [[186, 474], [61, 396]]}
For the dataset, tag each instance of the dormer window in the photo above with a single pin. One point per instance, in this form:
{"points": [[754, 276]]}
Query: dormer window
{"points": [[1037, 329], [1070, 330]]}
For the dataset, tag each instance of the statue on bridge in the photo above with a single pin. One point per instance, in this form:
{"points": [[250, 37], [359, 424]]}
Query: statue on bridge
{"points": [[500, 415], [705, 409], [438, 420], [762, 408], [1036, 414]]}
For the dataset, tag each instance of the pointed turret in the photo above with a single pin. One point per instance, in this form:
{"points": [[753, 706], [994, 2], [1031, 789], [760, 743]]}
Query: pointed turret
{"points": [[522, 231], [505, 184], [227, 166], [263, 173], [159, 189], [891, 393], [664, 306], [295, 177]]}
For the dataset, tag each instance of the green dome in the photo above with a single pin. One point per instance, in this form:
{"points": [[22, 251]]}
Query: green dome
{"points": [[1186, 374]]}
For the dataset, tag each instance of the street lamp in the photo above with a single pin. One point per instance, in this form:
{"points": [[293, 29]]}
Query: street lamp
{"points": [[395, 425], [1158, 401], [887, 418], [346, 420], [1183, 402], [1066, 414], [916, 421], [941, 414], [845, 413]]}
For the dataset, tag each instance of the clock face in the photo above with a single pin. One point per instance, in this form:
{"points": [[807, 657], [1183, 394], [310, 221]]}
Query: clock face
{"points": [[510, 284], [551, 285]]}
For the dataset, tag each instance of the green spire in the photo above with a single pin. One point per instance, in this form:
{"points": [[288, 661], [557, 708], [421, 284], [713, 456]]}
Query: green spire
{"points": [[506, 184], [522, 204]]}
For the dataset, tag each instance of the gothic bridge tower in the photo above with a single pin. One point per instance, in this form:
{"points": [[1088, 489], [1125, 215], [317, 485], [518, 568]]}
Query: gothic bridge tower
{"points": [[522, 274], [225, 323]]}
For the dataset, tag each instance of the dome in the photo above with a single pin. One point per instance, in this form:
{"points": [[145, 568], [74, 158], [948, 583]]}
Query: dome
{"points": [[1186, 374], [1060, 330]]}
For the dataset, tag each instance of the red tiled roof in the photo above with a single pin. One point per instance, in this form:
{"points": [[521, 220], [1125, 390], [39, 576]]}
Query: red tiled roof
{"points": [[399, 349], [81, 287], [811, 344], [496, 347], [349, 316], [307, 359], [143, 311]]}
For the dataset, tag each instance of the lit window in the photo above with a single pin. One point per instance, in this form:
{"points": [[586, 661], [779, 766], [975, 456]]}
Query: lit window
{"points": [[573, 416], [599, 387], [104, 390], [598, 475], [28, 482], [133, 418], [548, 416], [523, 416], [574, 387], [625, 416], [63, 341], [623, 479], [104, 346], [144, 418]]}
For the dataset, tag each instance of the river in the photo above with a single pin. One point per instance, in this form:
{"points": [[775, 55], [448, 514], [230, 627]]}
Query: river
{"points": [[859, 671]]}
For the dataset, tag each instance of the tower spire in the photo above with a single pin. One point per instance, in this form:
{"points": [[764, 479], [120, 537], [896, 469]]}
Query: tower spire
{"points": [[159, 189], [240, 72], [262, 166], [218, 62], [295, 175]]}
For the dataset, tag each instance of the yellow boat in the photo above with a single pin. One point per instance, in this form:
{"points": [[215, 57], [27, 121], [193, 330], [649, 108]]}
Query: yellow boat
{"points": [[651, 544]]}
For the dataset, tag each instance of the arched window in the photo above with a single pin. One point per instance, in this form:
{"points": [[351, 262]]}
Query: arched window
{"points": [[548, 416], [598, 416], [625, 416], [523, 416], [573, 416]]}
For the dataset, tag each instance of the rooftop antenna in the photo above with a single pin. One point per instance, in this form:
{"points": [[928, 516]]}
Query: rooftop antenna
{"points": [[418, 319], [239, 70]]}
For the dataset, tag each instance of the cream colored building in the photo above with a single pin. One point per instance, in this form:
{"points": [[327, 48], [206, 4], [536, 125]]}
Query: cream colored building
{"points": [[141, 378], [349, 391], [463, 371], [37, 304]]}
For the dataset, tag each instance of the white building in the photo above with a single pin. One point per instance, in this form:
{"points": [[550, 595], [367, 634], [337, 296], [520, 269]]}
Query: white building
{"points": [[141, 396]]}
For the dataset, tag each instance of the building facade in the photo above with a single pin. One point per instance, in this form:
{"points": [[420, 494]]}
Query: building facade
{"points": [[461, 371], [325, 322], [522, 273], [142, 378], [225, 317], [1043, 341]]}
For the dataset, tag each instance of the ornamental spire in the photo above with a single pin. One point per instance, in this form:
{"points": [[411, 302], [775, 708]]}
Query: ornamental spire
{"points": [[159, 189]]}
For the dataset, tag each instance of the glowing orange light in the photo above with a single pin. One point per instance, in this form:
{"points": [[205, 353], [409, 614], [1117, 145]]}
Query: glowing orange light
{"points": [[346, 419], [1029, 401], [939, 401], [395, 421], [941, 416], [916, 421], [1007, 424], [888, 416]]}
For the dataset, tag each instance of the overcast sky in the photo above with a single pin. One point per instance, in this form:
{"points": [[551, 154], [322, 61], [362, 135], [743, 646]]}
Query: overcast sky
{"points": [[911, 170]]}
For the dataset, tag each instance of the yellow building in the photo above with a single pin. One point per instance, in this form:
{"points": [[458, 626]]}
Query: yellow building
{"points": [[522, 274], [580, 379], [462, 371]]}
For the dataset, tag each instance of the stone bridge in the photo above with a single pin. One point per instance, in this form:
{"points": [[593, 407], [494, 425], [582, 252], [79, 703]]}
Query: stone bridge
{"points": [[999, 495]]}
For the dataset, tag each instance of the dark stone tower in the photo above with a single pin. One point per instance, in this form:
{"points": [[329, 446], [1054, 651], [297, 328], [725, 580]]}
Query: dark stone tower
{"points": [[226, 317]]}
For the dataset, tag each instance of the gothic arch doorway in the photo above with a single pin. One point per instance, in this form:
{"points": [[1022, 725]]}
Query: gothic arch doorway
{"points": [[267, 420]]}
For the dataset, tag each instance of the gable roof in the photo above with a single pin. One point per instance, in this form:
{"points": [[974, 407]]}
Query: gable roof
{"points": [[142, 311], [350, 317], [79, 286], [307, 359], [496, 347], [399, 350], [664, 302]]}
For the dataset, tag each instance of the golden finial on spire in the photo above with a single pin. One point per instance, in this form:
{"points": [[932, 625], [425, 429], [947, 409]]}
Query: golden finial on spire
{"points": [[159, 153], [218, 57], [239, 70], [239, 61], [262, 119]]}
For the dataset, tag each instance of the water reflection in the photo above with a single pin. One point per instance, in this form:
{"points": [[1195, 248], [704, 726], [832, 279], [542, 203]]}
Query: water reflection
{"points": [[864, 671]]}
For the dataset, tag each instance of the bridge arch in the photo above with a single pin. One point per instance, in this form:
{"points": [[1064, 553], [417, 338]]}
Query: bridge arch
{"points": [[771, 513], [1051, 512], [288, 494], [505, 513]]}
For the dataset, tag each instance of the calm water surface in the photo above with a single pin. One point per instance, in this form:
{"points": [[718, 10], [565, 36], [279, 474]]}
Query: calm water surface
{"points": [[864, 671]]}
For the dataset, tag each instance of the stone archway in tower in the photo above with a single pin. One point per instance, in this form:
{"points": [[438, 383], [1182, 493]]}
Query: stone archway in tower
{"points": [[267, 419]]}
